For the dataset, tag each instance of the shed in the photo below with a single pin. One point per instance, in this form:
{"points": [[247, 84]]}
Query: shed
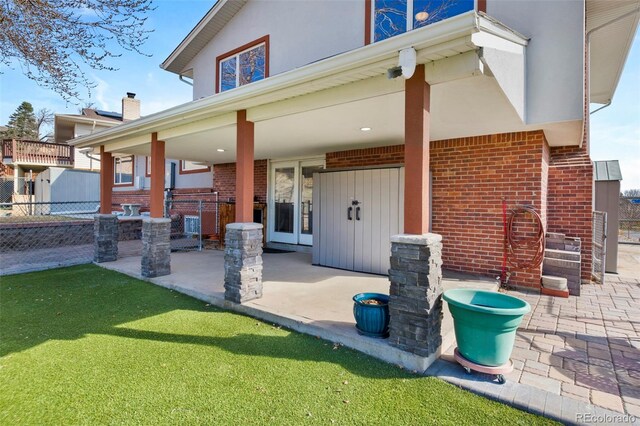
{"points": [[607, 178]]}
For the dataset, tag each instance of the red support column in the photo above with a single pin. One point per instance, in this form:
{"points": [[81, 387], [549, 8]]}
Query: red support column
{"points": [[244, 169], [417, 94], [157, 177], [106, 181]]}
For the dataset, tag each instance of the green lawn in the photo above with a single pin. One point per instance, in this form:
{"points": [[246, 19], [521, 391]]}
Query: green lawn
{"points": [[84, 345]]}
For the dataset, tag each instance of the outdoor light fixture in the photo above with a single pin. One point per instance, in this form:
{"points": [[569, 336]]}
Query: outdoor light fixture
{"points": [[406, 64], [365, 129], [220, 150], [422, 16]]}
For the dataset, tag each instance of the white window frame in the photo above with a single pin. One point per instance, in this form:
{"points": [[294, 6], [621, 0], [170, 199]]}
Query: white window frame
{"points": [[118, 175], [237, 57]]}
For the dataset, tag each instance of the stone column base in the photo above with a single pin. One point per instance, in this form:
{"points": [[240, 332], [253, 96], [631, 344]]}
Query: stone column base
{"points": [[156, 248], [105, 238], [415, 303], [243, 262]]}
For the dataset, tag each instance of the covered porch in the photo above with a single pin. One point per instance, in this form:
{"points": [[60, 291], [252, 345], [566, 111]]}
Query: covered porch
{"points": [[446, 81], [310, 299]]}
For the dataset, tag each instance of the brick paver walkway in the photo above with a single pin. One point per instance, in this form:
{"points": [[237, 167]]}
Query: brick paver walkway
{"points": [[587, 347]]}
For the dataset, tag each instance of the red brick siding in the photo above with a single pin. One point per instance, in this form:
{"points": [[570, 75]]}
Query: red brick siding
{"points": [[381, 156], [224, 180], [470, 178], [183, 209], [570, 198]]}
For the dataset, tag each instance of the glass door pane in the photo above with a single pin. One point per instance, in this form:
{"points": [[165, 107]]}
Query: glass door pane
{"points": [[284, 200], [306, 203]]}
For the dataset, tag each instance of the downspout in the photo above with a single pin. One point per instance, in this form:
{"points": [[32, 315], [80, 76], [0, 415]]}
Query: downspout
{"points": [[588, 65], [181, 78]]}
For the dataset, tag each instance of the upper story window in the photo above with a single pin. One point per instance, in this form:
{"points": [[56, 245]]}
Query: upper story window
{"points": [[243, 65], [123, 170], [393, 17]]}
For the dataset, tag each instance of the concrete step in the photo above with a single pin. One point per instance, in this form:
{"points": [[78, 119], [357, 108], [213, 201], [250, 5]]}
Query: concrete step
{"points": [[562, 254], [554, 283]]}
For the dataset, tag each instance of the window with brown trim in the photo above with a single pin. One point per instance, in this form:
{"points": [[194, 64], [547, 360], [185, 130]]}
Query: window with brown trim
{"points": [[123, 168], [187, 167], [244, 65], [147, 167]]}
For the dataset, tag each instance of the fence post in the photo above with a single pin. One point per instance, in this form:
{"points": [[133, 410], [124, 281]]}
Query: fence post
{"points": [[200, 225]]}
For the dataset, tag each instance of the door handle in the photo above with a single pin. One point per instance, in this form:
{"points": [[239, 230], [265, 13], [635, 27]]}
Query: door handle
{"points": [[349, 210], [358, 213]]}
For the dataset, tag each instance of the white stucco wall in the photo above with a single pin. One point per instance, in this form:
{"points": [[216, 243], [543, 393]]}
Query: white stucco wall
{"points": [[300, 32], [304, 31], [554, 56]]}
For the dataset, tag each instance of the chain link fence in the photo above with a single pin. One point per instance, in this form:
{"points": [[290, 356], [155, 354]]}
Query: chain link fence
{"points": [[599, 246], [38, 236], [629, 231], [195, 224]]}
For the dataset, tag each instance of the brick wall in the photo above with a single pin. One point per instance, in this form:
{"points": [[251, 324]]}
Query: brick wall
{"points": [[570, 198], [470, 178], [141, 196], [381, 156], [224, 180]]}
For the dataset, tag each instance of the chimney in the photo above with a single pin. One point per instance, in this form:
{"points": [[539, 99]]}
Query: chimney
{"points": [[130, 107]]}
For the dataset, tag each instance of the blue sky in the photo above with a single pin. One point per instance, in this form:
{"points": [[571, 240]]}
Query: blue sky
{"points": [[615, 131]]}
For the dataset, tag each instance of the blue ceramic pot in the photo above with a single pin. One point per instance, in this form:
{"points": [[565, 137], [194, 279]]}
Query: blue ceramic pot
{"points": [[372, 319]]}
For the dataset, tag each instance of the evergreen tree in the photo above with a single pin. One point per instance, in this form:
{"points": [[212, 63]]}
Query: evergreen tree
{"points": [[22, 124]]}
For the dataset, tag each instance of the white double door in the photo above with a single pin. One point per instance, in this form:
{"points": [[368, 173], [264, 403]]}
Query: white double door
{"points": [[290, 213], [357, 213]]}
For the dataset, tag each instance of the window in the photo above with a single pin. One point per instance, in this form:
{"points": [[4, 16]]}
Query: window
{"points": [[147, 167], [187, 167], [390, 17], [244, 65], [123, 170]]}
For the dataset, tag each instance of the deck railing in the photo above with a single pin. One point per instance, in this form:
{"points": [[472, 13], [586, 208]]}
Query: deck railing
{"points": [[33, 152]]}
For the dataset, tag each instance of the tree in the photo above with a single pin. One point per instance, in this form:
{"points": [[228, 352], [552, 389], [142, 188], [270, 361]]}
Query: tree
{"points": [[22, 123], [51, 39], [44, 117]]}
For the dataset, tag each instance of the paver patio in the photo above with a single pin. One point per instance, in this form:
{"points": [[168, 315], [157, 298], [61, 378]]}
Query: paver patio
{"points": [[587, 347]]}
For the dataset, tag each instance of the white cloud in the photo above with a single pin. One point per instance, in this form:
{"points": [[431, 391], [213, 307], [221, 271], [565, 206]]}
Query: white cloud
{"points": [[101, 92]]}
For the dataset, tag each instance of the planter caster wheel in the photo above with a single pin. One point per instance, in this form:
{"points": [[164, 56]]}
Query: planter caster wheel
{"points": [[467, 370], [501, 379]]}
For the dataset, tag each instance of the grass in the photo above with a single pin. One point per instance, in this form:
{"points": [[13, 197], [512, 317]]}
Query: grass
{"points": [[84, 345]]}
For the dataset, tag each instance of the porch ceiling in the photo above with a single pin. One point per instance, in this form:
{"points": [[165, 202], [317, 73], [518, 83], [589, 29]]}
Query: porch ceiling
{"points": [[469, 106]]}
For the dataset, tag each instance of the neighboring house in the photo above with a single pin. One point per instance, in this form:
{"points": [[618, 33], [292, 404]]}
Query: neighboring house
{"points": [[495, 108], [131, 172]]}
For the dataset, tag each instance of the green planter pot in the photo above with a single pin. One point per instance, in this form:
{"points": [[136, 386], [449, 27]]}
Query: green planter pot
{"points": [[485, 324], [372, 320]]}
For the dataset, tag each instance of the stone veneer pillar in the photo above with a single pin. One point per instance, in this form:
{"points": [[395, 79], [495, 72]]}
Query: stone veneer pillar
{"points": [[243, 262], [415, 304], [156, 248], [105, 238]]}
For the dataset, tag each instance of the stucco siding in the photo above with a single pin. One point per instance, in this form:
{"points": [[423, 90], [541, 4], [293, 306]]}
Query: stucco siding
{"points": [[554, 56], [300, 32]]}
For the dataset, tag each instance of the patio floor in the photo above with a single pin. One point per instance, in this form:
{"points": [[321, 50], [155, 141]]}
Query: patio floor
{"points": [[310, 299]]}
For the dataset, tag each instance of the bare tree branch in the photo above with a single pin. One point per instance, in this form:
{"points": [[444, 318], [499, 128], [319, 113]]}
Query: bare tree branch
{"points": [[50, 39]]}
